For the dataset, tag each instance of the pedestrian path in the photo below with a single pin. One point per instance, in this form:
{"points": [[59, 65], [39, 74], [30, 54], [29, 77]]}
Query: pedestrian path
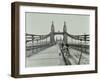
{"points": [[52, 57], [47, 57]]}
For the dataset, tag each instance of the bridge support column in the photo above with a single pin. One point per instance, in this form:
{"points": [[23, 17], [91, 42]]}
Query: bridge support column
{"points": [[52, 39], [65, 37]]}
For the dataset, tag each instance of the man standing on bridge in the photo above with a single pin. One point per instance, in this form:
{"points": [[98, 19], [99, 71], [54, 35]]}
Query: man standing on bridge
{"points": [[65, 49]]}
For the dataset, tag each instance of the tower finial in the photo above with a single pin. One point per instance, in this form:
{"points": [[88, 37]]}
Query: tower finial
{"points": [[64, 22], [52, 27], [52, 22], [64, 27]]}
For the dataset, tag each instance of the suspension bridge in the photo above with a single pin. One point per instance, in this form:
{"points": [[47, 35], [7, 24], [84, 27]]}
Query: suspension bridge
{"points": [[45, 50]]}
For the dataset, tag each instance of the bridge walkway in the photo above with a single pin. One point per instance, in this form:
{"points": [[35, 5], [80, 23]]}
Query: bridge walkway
{"points": [[47, 57], [51, 57]]}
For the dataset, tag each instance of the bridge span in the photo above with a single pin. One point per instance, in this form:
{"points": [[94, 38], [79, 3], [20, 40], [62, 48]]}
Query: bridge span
{"points": [[53, 56], [45, 50]]}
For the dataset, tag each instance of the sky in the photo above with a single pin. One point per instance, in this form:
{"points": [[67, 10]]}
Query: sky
{"points": [[40, 23]]}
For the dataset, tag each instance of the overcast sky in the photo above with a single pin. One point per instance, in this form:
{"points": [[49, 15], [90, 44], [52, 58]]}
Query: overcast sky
{"points": [[40, 23]]}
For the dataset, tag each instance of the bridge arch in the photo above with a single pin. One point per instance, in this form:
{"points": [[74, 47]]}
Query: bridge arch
{"points": [[53, 33]]}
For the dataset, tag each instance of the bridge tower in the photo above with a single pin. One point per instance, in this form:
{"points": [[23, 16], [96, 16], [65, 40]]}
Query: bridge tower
{"points": [[52, 39], [65, 39]]}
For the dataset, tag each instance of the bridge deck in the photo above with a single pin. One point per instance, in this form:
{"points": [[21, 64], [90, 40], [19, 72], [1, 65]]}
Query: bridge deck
{"points": [[74, 59], [47, 57], [51, 57]]}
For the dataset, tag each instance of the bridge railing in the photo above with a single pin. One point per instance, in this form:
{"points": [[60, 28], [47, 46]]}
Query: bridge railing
{"points": [[37, 43]]}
